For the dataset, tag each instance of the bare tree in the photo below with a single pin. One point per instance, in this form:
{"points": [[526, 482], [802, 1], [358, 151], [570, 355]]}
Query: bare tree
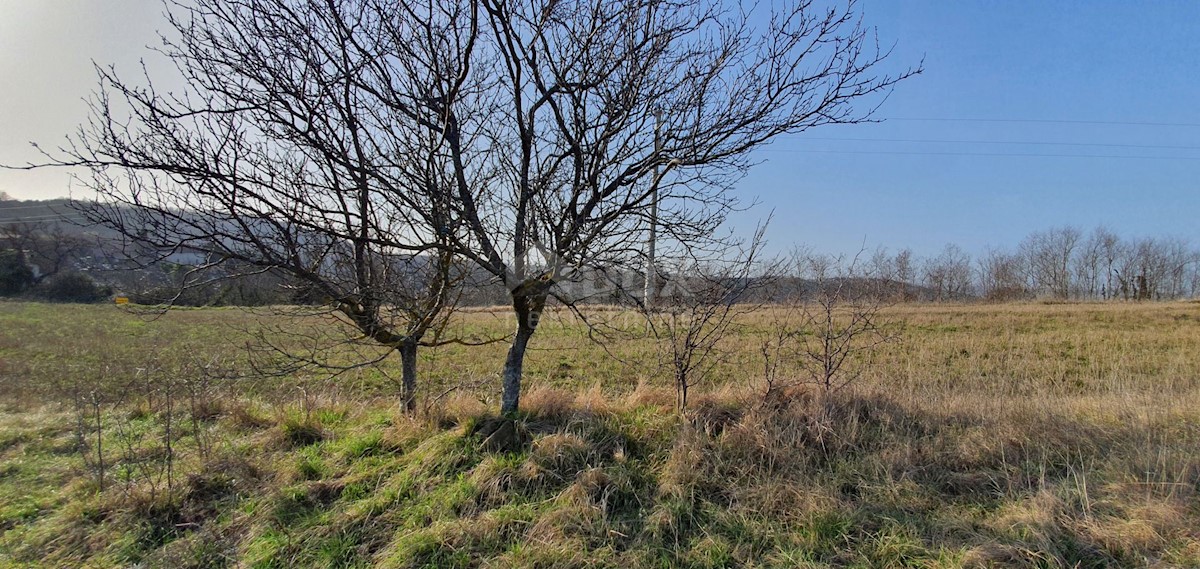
{"points": [[48, 247], [1157, 267], [881, 265], [529, 138], [884, 267], [1193, 276], [827, 335], [906, 273], [948, 275], [1048, 255], [605, 110], [277, 157], [1108, 247], [1002, 276], [898, 273], [1178, 259], [1088, 266]]}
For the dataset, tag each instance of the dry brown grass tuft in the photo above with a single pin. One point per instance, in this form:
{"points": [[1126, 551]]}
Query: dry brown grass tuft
{"points": [[1029, 517], [593, 401], [712, 413], [647, 395], [560, 455], [246, 416], [1120, 535], [548, 402], [577, 515], [455, 410], [998, 556], [1168, 517]]}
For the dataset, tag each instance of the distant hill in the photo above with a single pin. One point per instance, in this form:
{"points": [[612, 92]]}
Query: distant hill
{"points": [[12, 211], [482, 288], [49, 212]]}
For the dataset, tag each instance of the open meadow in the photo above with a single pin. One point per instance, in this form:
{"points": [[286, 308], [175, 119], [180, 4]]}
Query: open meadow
{"points": [[1009, 435]]}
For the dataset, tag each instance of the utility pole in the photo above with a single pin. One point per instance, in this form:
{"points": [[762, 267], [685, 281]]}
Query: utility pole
{"points": [[652, 270]]}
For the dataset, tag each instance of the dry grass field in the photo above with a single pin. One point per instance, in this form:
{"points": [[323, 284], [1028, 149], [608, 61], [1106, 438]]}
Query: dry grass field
{"points": [[1024, 435]]}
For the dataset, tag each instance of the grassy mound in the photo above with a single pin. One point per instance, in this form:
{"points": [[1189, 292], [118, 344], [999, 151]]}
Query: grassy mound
{"points": [[853, 480]]}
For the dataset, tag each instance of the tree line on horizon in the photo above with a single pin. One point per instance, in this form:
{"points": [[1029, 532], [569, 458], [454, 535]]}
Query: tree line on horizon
{"points": [[1060, 263]]}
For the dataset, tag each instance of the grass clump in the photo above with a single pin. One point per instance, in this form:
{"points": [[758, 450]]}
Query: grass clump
{"points": [[301, 432]]}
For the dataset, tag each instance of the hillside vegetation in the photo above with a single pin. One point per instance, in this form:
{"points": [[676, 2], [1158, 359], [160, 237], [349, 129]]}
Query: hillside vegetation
{"points": [[1026, 435]]}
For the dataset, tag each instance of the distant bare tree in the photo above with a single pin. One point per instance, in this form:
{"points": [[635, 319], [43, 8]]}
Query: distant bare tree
{"points": [[882, 266], [1048, 256], [1180, 259], [48, 247], [896, 272], [906, 273], [1158, 267], [948, 276], [1193, 276], [1002, 276], [1088, 266], [1108, 248]]}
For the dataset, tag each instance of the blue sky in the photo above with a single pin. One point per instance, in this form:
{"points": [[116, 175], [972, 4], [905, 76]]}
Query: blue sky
{"points": [[1105, 62], [1100, 63]]}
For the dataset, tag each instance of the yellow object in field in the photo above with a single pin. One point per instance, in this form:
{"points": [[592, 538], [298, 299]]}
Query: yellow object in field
{"points": [[121, 300]]}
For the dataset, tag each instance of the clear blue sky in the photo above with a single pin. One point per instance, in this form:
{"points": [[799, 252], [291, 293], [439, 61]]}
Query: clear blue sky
{"points": [[1108, 62], [1104, 62]]}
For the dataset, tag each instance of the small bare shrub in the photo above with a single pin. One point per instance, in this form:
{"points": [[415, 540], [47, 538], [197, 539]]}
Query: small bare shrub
{"points": [[828, 332], [705, 302]]}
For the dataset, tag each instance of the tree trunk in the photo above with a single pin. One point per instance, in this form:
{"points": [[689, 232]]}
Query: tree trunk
{"points": [[681, 394], [528, 310], [408, 378]]}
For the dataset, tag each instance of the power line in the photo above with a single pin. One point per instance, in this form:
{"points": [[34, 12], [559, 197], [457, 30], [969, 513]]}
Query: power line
{"points": [[1050, 121], [1007, 154], [1014, 142]]}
